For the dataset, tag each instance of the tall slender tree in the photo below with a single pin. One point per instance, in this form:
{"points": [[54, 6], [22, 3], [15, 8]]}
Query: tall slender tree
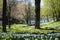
{"points": [[26, 10], [29, 13], [11, 5], [9, 16], [4, 15], [37, 16]]}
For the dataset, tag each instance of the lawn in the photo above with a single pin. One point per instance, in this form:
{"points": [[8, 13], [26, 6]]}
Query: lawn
{"points": [[23, 28], [53, 25]]}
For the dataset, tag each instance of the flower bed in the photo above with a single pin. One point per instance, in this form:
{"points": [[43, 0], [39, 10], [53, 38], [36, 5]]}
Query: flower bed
{"points": [[14, 36]]}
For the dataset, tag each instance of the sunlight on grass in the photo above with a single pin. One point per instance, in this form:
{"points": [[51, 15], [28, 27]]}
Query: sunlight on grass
{"points": [[23, 28]]}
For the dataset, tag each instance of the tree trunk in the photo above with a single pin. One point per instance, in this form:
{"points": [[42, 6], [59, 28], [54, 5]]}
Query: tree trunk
{"points": [[44, 20], [58, 17], [53, 17], [29, 13], [4, 21], [27, 18], [37, 16], [9, 17], [47, 18]]}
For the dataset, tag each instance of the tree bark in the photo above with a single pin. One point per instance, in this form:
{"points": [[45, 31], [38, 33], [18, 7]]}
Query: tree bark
{"points": [[29, 13], [58, 17], [47, 18], [4, 20], [53, 17], [27, 18], [37, 16], [9, 17]]}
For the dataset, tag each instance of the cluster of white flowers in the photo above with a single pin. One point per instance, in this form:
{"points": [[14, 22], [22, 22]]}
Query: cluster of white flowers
{"points": [[14, 36]]}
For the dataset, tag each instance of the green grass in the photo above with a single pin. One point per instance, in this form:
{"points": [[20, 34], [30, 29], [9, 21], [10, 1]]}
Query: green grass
{"points": [[23, 28], [55, 25], [20, 28]]}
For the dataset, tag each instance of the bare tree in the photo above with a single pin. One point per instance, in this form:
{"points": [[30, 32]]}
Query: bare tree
{"points": [[11, 6], [29, 13]]}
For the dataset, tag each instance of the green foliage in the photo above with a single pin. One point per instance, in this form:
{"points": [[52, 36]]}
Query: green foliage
{"points": [[51, 8], [46, 12]]}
